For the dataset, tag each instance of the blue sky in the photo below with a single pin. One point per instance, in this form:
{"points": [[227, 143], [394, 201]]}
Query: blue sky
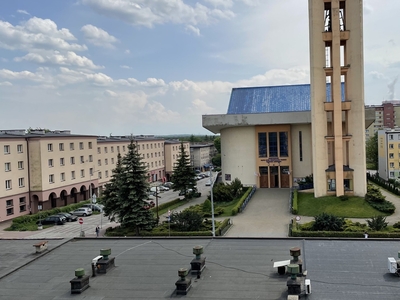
{"points": [[157, 66]]}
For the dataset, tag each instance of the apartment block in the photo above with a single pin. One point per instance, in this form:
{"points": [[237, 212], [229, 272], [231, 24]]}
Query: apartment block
{"points": [[48, 169], [201, 155], [389, 153]]}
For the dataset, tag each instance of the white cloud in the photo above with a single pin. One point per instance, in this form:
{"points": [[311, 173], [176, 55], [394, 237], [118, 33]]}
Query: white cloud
{"points": [[222, 3], [98, 36], [192, 29], [55, 57], [21, 11], [150, 13], [125, 67], [37, 33], [69, 76], [5, 83], [150, 82], [376, 75], [127, 51], [11, 75]]}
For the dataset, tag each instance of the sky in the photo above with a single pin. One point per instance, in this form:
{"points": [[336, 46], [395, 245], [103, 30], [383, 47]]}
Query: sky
{"points": [[125, 67]]}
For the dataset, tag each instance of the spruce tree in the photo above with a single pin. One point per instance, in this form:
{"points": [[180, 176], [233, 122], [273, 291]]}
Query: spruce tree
{"points": [[125, 194], [183, 177]]}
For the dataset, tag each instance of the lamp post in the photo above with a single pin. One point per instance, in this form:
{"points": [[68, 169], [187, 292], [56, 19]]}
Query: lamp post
{"points": [[212, 204], [40, 226]]}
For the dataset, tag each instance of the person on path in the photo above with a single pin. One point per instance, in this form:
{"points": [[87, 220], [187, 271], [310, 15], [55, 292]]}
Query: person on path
{"points": [[97, 231]]}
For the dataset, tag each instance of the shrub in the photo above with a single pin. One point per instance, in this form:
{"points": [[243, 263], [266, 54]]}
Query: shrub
{"points": [[396, 225], [374, 194], [236, 209], [327, 222], [295, 207], [207, 206], [377, 223]]}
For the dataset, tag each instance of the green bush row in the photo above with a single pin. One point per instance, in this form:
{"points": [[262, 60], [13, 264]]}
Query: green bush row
{"points": [[43, 214], [295, 205], [236, 209], [385, 206], [343, 234], [167, 204], [225, 224]]}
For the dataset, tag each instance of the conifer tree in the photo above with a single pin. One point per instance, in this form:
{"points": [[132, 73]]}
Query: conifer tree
{"points": [[125, 194], [183, 177]]}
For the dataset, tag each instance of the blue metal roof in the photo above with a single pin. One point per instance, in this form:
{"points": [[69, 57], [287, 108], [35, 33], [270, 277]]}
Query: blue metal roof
{"points": [[269, 99]]}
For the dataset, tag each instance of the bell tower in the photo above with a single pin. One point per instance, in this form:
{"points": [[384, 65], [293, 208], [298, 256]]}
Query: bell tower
{"points": [[337, 97]]}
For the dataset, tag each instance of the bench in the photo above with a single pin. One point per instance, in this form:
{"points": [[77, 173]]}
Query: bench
{"points": [[41, 246]]}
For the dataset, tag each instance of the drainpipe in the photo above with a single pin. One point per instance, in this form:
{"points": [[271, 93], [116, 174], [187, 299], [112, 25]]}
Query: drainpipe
{"points": [[29, 175]]}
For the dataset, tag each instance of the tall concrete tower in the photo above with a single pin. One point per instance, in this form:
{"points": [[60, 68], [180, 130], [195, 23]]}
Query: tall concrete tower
{"points": [[337, 97]]}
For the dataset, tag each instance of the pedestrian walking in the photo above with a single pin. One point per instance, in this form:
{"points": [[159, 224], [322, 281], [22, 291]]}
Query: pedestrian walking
{"points": [[366, 235], [97, 231]]}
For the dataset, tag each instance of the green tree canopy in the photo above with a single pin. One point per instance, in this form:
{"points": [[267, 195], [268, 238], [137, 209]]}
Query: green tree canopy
{"points": [[217, 144], [184, 175], [371, 151], [124, 196]]}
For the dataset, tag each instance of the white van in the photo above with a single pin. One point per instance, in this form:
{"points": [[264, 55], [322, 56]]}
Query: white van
{"points": [[155, 189]]}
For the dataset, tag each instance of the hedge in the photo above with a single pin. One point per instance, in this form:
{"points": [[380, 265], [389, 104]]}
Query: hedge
{"points": [[295, 207], [236, 209]]}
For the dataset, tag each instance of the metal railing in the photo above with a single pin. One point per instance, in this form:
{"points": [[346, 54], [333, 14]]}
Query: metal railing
{"points": [[249, 196]]}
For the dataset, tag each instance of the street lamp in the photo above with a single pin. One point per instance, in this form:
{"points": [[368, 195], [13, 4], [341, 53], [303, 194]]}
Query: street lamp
{"points": [[40, 226], [212, 204]]}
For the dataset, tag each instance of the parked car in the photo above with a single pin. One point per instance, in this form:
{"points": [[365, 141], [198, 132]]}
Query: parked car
{"points": [[163, 188], [83, 211], [52, 220], [155, 189], [188, 191], [93, 207], [68, 217], [168, 184], [208, 183]]}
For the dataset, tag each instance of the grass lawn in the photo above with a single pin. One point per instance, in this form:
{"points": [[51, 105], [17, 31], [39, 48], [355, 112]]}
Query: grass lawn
{"points": [[227, 207], [354, 207]]}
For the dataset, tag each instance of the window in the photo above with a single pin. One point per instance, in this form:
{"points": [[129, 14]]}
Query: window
{"points": [[72, 160], [391, 174], [61, 146], [390, 146], [9, 203], [283, 144], [151, 155], [151, 146], [10, 211], [91, 171], [82, 173], [51, 163], [301, 146], [21, 182], [22, 204], [155, 154], [7, 167], [273, 144], [390, 136], [20, 165], [8, 185], [99, 175], [138, 147], [158, 145], [118, 148], [173, 156], [62, 161], [106, 161], [156, 164], [98, 150], [62, 177], [99, 162], [152, 164], [19, 149], [90, 158], [391, 155], [81, 145], [90, 145], [262, 144], [105, 150], [391, 165], [51, 178], [49, 147], [6, 149], [112, 160], [106, 174], [71, 146], [112, 149], [82, 159], [123, 148], [72, 174]]}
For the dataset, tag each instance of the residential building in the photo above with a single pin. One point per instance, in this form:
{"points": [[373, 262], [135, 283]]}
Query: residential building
{"points": [[201, 155], [389, 153], [48, 169], [385, 117]]}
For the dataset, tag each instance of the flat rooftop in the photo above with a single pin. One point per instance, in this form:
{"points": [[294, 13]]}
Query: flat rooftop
{"points": [[235, 268]]}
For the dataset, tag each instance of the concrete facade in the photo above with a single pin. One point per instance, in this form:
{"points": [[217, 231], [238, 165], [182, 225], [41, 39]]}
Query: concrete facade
{"points": [[200, 155], [389, 154], [336, 56]]}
